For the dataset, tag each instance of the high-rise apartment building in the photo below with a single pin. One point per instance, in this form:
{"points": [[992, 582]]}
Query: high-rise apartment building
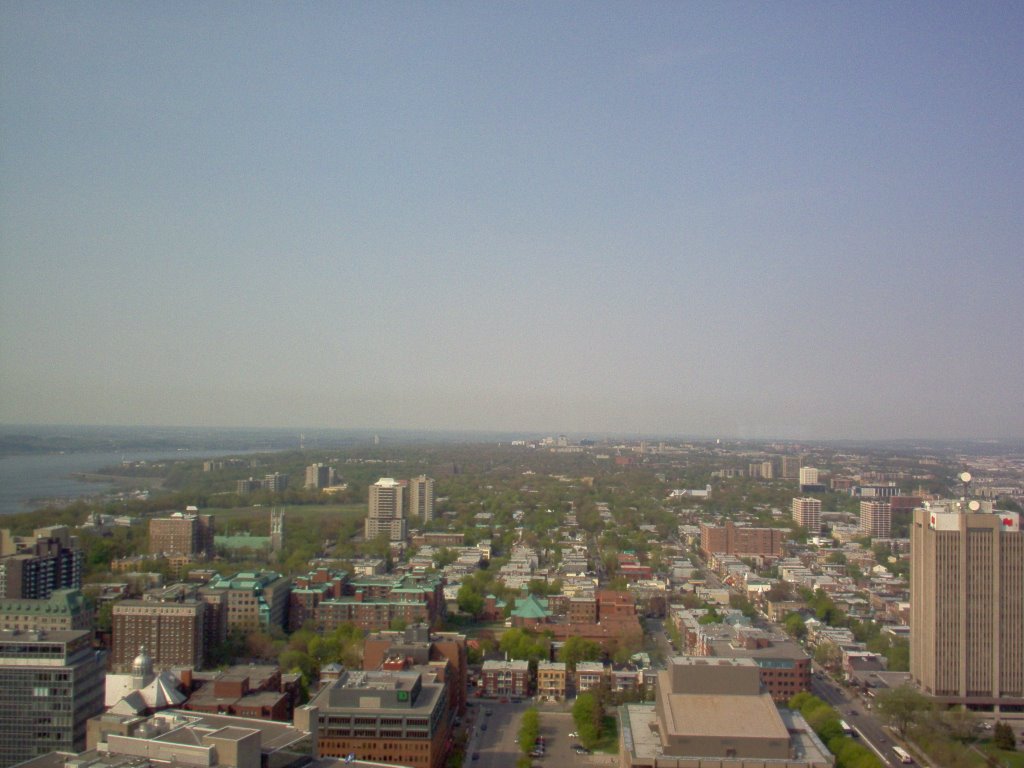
{"points": [[807, 514], [173, 633], [790, 467], [52, 683], [33, 568], [421, 498], [182, 533], [967, 607], [387, 510], [808, 476], [876, 519], [320, 476], [275, 482]]}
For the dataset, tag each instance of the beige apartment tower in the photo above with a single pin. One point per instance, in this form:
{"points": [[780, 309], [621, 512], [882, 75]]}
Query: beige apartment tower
{"points": [[421, 498], [876, 519], [967, 607], [387, 510], [807, 513]]}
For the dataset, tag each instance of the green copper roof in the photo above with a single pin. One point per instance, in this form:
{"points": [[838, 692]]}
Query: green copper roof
{"points": [[531, 607]]}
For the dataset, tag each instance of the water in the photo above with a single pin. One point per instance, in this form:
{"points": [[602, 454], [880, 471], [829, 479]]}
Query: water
{"points": [[49, 476]]}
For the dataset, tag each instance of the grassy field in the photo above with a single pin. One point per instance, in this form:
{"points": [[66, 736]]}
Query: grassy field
{"points": [[258, 518], [1002, 757]]}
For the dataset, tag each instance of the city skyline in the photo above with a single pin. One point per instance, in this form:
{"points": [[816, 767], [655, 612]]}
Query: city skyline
{"points": [[795, 222]]}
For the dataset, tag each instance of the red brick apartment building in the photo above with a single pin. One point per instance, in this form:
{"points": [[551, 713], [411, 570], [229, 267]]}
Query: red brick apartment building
{"points": [[732, 539]]}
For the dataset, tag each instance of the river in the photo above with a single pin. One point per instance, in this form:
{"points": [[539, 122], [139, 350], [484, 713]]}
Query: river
{"points": [[25, 479]]}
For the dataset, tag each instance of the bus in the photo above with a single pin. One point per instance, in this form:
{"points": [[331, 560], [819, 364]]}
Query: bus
{"points": [[903, 755]]}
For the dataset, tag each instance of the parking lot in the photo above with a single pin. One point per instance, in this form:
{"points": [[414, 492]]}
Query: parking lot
{"points": [[494, 738]]}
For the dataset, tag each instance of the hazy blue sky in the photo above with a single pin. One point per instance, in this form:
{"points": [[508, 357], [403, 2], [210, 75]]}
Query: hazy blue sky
{"points": [[727, 219]]}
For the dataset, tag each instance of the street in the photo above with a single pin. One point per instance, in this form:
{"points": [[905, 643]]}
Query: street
{"points": [[861, 720]]}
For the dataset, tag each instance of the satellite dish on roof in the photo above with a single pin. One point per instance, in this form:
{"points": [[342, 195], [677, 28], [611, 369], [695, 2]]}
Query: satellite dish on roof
{"points": [[965, 477], [974, 505]]}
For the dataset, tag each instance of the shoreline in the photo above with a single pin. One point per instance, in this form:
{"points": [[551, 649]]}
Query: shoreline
{"points": [[122, 481]]}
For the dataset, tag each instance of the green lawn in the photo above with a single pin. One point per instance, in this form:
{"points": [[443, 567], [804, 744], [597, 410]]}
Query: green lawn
{"points": [[609, 741], [1007, 759], [298, 514]]}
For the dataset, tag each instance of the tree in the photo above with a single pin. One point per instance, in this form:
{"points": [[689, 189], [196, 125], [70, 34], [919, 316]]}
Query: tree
{"points": [[828, 654], [794, 625], [445, 556], [578, 649], [900, 707], [523, 645], [470, 600], [960, 724], [781, 591], [529, 730], [588, 715], [1002, 736]]}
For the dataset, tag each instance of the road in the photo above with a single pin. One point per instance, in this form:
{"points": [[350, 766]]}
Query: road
{"points": [[853, 711]]}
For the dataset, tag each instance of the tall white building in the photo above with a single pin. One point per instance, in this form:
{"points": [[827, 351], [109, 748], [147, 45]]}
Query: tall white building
{"points": [[808, 476], [421, 498], [387, 510], [807, 514]]}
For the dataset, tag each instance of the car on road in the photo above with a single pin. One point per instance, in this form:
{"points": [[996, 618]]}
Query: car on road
{"points": [[476, 755], [581, 750], [483, 726]]}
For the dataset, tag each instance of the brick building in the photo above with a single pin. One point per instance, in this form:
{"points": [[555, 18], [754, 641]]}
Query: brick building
{"points": [[257, 691], [65, 609], [417, 645], [401, 718], [377, 602], [182, 533], [256, 601], [741, 540], [505, 678], [173, 633], [552, 680]]}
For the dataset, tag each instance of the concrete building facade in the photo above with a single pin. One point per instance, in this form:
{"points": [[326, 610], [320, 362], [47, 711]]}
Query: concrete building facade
{"points": [[807, 514], [421, 499], [876, 519], [967, 607], [52, 683], [386, 510]]}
